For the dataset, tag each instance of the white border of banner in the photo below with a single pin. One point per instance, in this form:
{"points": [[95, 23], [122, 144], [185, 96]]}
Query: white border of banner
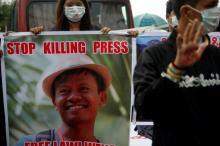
{"points": [[4, 91], [48, 33], [67, 33]]}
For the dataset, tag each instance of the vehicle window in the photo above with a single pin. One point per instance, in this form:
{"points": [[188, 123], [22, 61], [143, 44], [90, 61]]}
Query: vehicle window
{"points": [[41, 13], [113, 15]]}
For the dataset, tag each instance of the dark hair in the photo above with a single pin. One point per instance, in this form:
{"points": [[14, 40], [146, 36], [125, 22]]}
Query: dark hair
{"points": [[177, 4], [99, 78], [169, 7], [62, 22], [218, 28]]}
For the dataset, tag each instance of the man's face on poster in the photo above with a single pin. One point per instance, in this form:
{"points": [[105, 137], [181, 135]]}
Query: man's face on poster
{"points": [[77, 98]]}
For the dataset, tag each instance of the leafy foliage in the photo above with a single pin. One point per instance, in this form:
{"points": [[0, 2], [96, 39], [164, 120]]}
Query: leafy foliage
{"points": [[29, 113], [5, 13]]}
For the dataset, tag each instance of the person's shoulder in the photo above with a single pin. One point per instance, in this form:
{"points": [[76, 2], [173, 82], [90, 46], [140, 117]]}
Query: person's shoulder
{"points": [[213, 47], [27, 138], [157, 47], [45, 135]]}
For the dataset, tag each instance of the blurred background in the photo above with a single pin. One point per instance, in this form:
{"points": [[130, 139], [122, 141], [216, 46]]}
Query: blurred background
{"points": [[145, 13]]}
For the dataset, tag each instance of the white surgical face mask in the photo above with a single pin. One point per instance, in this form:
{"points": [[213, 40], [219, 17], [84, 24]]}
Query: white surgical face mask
{"points": [[74, 13], [174, 21], [210, 19]]}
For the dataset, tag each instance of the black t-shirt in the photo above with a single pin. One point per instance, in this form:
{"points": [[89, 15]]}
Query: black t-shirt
{"points": [[184, 113]]}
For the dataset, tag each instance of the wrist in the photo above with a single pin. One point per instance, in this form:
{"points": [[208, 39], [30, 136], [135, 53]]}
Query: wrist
{"points": [[178, 65], [174, 72]]}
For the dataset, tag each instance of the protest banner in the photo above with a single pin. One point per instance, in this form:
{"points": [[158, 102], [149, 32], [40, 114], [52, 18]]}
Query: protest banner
{"points": [[29, 111], [215, 38], [27, 59]]}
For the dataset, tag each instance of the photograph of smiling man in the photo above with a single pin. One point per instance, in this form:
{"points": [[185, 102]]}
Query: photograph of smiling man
{"points": [[67, 99]]}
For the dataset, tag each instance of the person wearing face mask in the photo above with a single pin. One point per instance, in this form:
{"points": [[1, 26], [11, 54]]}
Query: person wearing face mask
{"points": [[210, 18], [177, 82], [72, 15], [170, 16]]}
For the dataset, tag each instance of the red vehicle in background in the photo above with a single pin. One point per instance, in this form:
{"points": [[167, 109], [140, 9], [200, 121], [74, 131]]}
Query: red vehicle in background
{"points": [[115, 14]]}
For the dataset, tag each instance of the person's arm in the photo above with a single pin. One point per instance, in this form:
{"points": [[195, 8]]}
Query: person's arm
{"points": [[150, 87], [105, 30], [133, 33], [36, 30]]}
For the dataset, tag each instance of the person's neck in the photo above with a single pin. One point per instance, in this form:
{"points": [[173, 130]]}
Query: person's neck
{"points": [[74, 26], [79, 132]]}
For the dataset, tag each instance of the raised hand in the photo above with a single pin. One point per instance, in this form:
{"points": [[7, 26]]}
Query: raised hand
{"points": [[190, 46]]}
